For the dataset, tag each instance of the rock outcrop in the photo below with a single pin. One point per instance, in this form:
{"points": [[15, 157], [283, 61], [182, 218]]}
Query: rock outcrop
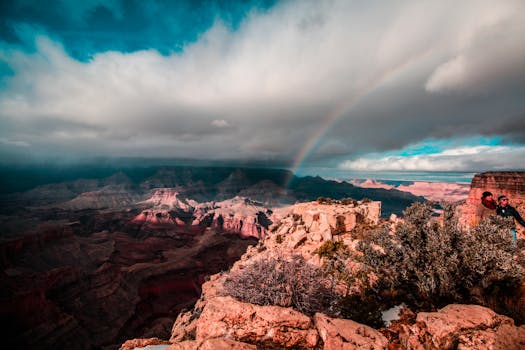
{"points": [[142, 343], [226, 317], [239, 214], [236, 215], [232, 324], [463, 327], [347, 334]]}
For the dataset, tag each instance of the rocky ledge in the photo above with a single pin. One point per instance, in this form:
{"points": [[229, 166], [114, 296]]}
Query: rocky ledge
{"points": [[218, 321]]}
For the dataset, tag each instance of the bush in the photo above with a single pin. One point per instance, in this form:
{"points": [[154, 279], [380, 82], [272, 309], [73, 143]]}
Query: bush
{"points": [[331, 250], [344, 201], [432, 264], [278, 281]]}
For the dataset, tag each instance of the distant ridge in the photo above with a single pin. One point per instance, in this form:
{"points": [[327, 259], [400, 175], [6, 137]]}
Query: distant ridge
{"points": [[198, 183]]}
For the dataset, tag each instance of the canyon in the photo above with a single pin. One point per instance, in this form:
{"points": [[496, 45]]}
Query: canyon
{"points": [[90, 262], [220, 321]]}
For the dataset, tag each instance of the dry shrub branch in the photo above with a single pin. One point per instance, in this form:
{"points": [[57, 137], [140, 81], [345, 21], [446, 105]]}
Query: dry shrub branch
{"points": [[287, 282]]}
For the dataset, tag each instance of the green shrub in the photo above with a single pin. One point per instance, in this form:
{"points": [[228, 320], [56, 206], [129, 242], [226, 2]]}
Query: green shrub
{"points": [[344, 201], [332, 250]]}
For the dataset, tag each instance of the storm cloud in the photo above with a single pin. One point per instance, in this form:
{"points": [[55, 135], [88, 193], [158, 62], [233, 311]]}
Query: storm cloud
{"points": [[358, 77]]}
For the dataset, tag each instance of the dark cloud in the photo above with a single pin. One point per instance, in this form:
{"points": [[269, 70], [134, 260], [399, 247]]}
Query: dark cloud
{"points": [[331, 80]]}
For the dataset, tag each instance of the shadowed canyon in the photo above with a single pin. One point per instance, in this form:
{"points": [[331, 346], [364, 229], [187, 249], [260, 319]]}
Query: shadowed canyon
{"points": [[89, 262]]}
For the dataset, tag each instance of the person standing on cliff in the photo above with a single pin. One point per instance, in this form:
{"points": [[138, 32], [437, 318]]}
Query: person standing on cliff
{"points": [[487, 207], [505, 210]]}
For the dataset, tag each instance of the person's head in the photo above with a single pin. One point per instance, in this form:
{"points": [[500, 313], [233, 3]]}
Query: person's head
{"points": [[487, 196], [503, 201]]}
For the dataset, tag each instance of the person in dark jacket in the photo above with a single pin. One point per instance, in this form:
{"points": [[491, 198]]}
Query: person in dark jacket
{"points": [[505, 210]]}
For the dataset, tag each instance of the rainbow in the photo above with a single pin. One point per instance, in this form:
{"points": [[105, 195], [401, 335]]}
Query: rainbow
{"points": [[345, 107]]}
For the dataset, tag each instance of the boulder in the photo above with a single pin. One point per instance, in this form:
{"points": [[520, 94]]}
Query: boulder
{"points": [[462, 327], [225, 344], [272, 325], [212, 344], [341, 334]]}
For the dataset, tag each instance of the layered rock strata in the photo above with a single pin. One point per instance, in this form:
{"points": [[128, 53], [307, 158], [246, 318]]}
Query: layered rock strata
{"points": [[240, 215]]}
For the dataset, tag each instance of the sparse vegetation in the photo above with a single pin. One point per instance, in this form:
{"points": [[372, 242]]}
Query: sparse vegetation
{"points": [[431, 264], [331, 250], [344, 201], [279, 281], [426, 263]]}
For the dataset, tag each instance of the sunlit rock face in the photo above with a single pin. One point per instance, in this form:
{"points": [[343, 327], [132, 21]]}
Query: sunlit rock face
{"points": [[298, 232], [236, 215], [168, 198], [510, 184], [463, 327], [242, 215]]}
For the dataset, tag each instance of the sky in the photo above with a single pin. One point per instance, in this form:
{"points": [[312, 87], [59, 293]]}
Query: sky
{"points": [[343, 85]]}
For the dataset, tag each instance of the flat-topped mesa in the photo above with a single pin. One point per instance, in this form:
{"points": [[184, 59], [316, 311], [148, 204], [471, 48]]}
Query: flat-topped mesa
{"points": [[508, 183]]}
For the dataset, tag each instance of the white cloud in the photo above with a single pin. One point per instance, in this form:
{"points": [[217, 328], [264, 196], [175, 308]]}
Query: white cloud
{"points": [[220, 123], [476, 158], [450, 74]]}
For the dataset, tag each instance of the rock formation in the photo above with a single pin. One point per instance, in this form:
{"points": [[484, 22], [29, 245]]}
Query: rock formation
{"points": [[169, 199], [226, 323], [236, 215], [463, 327]]}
